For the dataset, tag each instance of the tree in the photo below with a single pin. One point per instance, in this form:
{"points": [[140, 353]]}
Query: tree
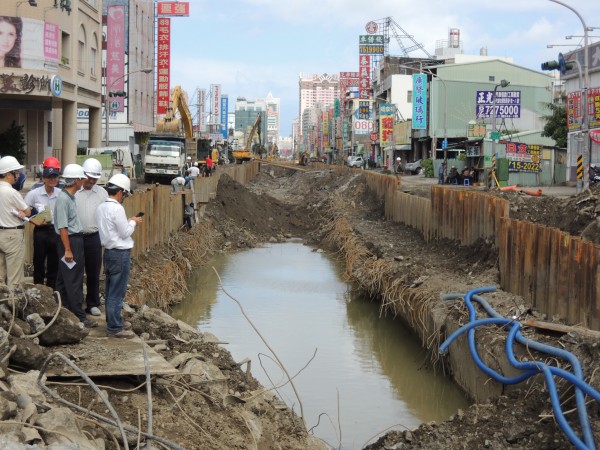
{"points": [[12, 142], [556, 124]]}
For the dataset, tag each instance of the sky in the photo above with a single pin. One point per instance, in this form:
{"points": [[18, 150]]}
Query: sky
{"points": [[253, 47]]}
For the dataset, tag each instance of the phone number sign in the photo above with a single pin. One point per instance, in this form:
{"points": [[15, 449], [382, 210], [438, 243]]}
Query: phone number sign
{"points": [[507, 104], [523, 157]]}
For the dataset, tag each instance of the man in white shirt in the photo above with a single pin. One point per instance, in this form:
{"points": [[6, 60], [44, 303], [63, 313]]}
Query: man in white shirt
{"points": [[12, 211], [88, 199], [115, 233], [45, 253]]}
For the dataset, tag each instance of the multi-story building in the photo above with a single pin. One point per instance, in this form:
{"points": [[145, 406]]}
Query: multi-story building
{"points": [[317, 91], [246, 112], [52, 69], [128, 60], [273, 115]]}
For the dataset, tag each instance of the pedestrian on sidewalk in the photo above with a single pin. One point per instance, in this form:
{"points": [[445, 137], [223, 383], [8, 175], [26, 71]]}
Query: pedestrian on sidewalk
{"points": [[441, 171], [13, 210], [45, 253], [87, 200], [115, 233], [69, 282]]}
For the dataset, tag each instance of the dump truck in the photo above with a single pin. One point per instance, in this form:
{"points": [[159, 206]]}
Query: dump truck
{"points": [[167, 149]]}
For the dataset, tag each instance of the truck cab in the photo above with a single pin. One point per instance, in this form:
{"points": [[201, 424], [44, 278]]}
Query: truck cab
{"points": [[164, 159]]}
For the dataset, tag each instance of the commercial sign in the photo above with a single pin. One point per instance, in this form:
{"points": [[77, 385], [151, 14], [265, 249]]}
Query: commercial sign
{"points": [[575, 112], [523, 157], [476, 130], [163, 77], [201, 109], [419, 102], [29, 44], [115, 54], [215, 90], [181, 9], [386, 122], [362, 124], [26, 84], [224, 109], [508, 104], [371, 44], [347, 81], [364, 71]]}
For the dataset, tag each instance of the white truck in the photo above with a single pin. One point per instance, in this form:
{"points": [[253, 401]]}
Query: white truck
{"points": [[164, 159]]}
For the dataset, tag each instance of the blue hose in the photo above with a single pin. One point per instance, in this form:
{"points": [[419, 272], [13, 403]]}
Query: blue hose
{"points": [[560, 353], [530, 369]]}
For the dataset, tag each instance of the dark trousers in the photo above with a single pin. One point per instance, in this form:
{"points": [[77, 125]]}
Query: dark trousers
{"points": [[92, 250], [70, 281], [45, 256]]}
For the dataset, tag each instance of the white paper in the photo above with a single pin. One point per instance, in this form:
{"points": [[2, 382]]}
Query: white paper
{"points": [[70, 265]]}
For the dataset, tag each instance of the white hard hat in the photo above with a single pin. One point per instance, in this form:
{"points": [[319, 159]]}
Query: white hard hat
{"points": [[74, 172], [8, 164], [121, 180], [92, 168]]}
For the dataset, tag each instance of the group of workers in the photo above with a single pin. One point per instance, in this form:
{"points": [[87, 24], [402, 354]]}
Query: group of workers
{"points": [[454, 177], [72, 222], [191, 171]]}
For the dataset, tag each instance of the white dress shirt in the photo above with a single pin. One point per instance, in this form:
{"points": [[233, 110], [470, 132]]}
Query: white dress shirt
{"points": [[87, 201], [39, 199], [10, 200], [115, 230]]}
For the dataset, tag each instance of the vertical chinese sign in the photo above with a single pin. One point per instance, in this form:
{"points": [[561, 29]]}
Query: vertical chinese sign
{"points": [[215, 90], [115, 55], [364, 71], [163, 76], [419, 104], [387, 112], [224, 110]]}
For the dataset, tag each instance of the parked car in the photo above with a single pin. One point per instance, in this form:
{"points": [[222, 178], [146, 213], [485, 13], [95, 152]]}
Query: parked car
{"points": [[356, 161], [413, 167]]}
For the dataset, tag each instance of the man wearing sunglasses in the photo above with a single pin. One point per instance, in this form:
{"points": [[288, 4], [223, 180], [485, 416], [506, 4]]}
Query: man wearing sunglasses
{"points": [[13, 210]]}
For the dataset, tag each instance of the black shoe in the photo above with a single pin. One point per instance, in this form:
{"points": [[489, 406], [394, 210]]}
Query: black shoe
{"points": [[89, 323]]}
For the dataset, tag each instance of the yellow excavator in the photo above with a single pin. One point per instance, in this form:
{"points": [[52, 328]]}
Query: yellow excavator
{"points": [[246, 154]]}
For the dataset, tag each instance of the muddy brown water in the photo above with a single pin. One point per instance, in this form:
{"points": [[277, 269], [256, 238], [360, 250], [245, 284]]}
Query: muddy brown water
{"points": [[369, 372]]}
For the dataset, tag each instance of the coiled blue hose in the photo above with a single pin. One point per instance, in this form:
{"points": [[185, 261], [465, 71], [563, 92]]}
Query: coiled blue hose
{"points": [[530, 368]]}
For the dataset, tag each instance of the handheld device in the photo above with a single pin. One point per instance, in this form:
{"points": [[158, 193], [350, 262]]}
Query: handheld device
{"points": [[140, 214]]}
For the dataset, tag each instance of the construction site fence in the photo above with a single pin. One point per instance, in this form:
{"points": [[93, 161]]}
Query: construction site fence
{"points": [[556, 272], [164, 210]]}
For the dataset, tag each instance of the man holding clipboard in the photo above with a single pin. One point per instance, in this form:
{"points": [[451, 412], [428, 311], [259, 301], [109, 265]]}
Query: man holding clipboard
{"points": [[41, 200]]}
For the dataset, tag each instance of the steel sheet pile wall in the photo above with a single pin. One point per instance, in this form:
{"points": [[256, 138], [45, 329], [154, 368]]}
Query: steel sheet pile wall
{"points": [[466, 216], [410, 210], [163, 216], [558, 273]]}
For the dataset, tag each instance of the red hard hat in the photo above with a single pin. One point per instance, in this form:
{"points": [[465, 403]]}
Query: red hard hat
{"points": [[52, 162]]}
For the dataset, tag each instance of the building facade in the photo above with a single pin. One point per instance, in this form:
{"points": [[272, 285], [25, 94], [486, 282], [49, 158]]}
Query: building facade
{"points": [[246, 112], [52, 70], [316, 91], [131, 116]]}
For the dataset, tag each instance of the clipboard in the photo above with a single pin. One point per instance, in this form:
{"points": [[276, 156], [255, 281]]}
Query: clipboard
{"points": [[42, 218]]}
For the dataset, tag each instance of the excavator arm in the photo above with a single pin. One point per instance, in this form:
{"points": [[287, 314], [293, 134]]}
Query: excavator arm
{"points": [[169, 123], [246, 154]]}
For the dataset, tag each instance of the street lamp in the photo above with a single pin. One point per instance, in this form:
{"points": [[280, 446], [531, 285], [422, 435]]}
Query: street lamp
{"points": [[107, 101], [587, 148], [503, 84]]}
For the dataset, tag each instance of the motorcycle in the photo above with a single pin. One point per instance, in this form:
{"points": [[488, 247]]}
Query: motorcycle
{"points": [[594, 174]]}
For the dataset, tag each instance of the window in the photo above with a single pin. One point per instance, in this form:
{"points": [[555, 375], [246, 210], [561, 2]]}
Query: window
{"points": [[81, 54], [492, 78], [93, 55], [65, 49], [409, 96]]}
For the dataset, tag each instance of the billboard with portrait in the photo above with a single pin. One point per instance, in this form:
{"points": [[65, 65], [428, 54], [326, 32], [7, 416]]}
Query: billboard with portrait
{"points": [[28, 43]]}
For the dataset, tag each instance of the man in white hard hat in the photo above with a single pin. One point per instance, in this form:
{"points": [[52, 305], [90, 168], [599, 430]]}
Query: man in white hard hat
{"points": [[12, 212], [67, 225], [115, 233], [87, 200]]}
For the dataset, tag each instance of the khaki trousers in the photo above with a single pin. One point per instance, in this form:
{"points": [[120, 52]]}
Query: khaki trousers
{"points": [[12, 256]]}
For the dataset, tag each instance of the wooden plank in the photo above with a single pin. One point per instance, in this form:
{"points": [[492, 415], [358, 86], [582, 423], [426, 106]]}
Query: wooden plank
{"points": [[553, 271], [575, 279], [560, 328], [564, 261]]}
